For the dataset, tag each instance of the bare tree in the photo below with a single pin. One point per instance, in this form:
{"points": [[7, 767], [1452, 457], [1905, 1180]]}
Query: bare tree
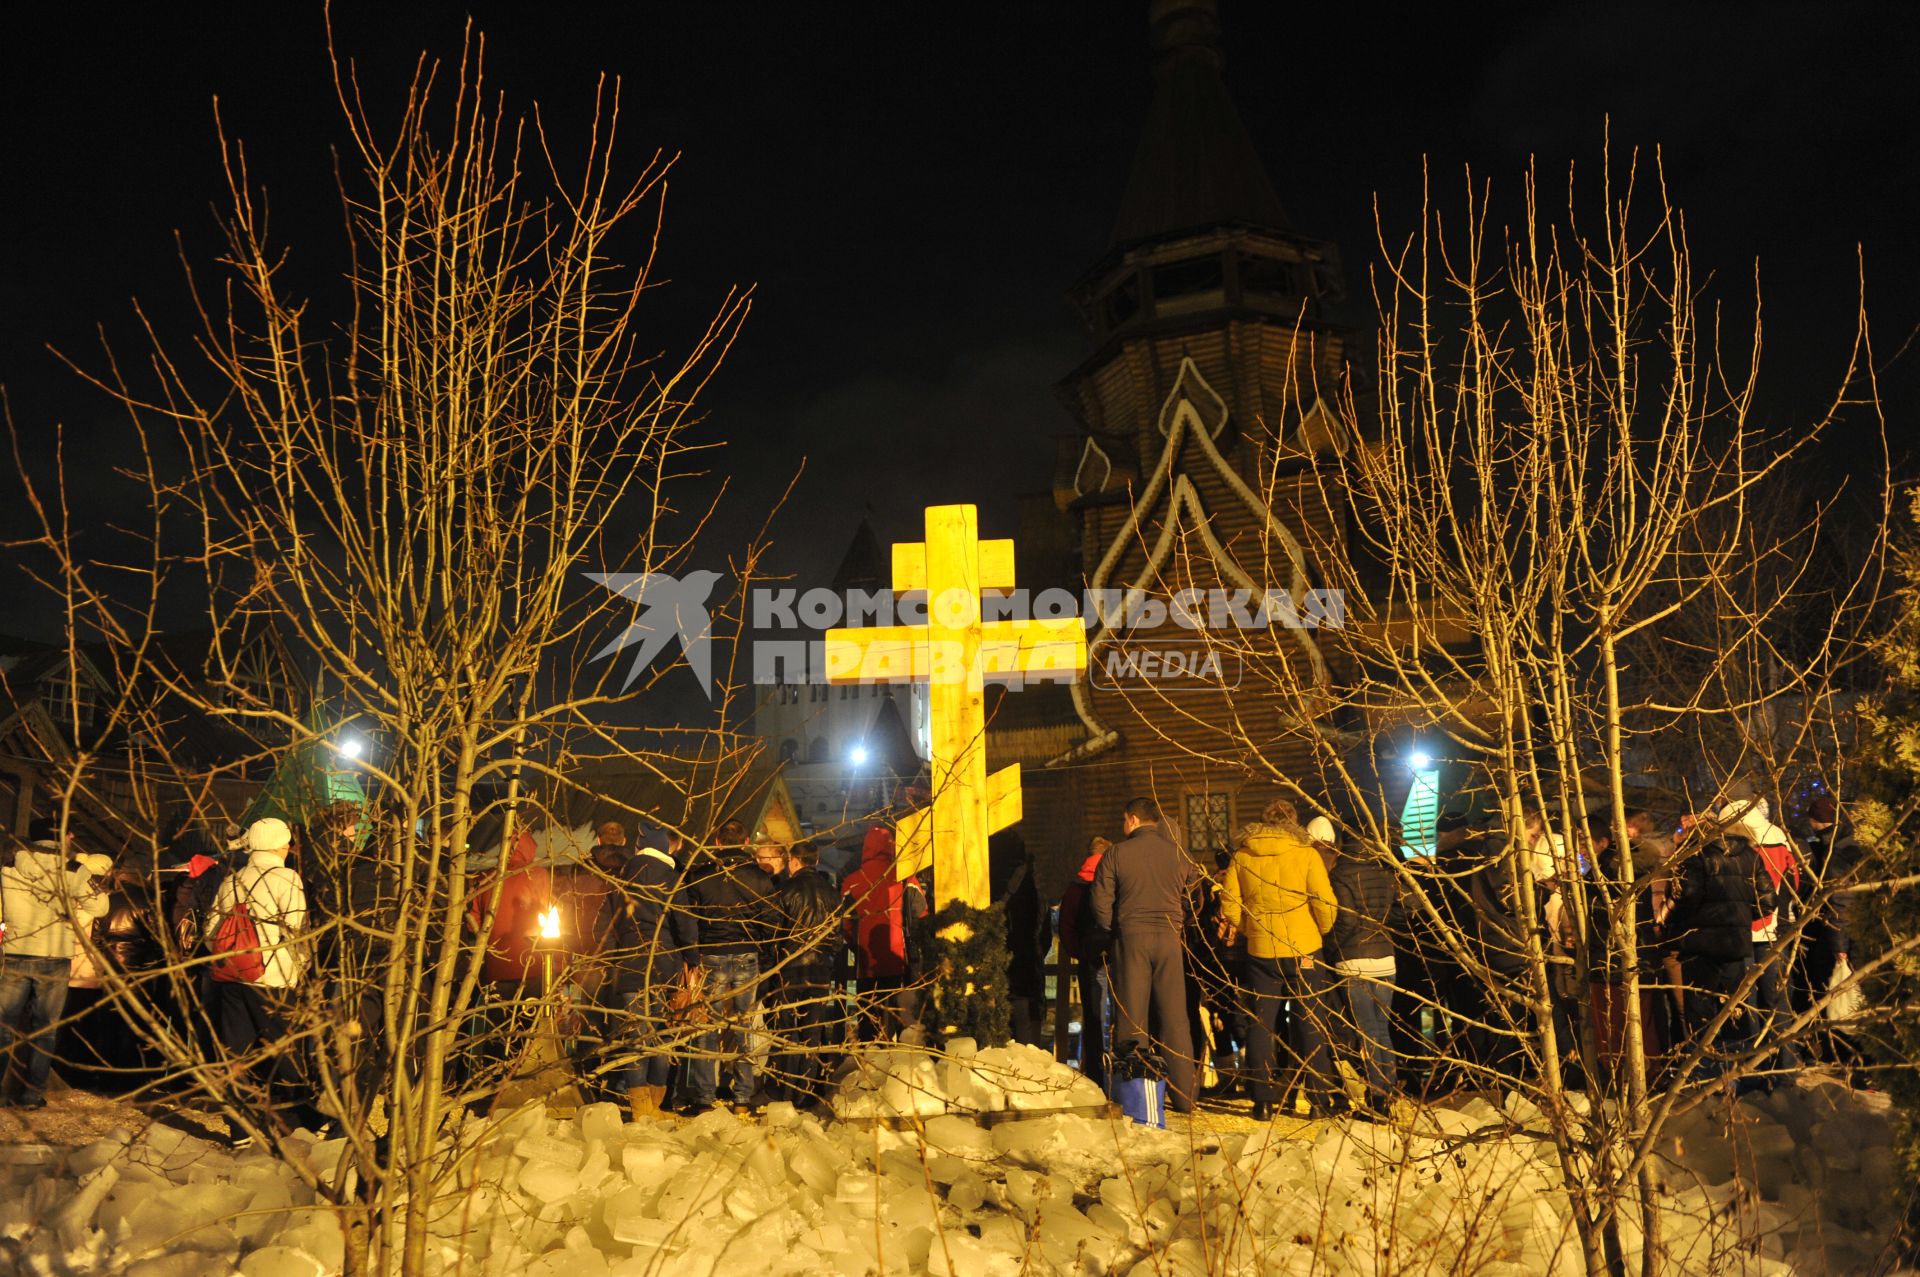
{"points": [[1567, 564], [408, 475]]}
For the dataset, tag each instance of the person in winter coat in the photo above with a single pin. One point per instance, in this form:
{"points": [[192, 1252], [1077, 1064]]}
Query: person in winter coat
{"points": [[881, 915], [1141, 895], [44, 895], [1745, 815], [513, 926], [653, 938], [1086, 943], [1277, 895], [254, 980], [1834, 859], [1010, 879], [731, 899], [809, 1019], [90, 1032], [1360, 947], [1710, 928]]}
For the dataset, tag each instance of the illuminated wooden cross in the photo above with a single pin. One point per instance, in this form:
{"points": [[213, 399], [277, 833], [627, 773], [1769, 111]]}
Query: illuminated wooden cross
{"points": [[955, 653]]}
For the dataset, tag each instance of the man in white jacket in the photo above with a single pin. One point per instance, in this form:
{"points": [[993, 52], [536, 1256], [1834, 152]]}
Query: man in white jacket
{"points": [[44, 897], [249, 1014]]}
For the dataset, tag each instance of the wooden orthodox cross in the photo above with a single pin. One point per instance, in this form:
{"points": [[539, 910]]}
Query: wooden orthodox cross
{"points": [[955, 653]]}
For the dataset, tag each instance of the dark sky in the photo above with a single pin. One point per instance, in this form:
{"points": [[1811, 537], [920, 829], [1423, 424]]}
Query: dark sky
{"points": [[910, 188]]}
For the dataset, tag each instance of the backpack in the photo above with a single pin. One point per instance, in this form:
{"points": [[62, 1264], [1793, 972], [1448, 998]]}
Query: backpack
{"points": [[236, 948]]}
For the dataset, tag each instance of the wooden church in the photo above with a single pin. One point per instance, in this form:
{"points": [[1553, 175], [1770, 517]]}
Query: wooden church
{"points": [[1201, 408]]}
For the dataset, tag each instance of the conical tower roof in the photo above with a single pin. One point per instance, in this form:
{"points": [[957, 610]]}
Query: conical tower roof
{"points": [[1196, 166], [863, 566]]}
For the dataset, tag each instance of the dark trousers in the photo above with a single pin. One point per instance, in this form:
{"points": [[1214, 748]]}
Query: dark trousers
{"points": [[1770, 1000], [809, 1022], [1290, 996], [251, 1021], [887, 1003], [1366, 1005], [1092, 978], [1150, 992], [1709, 985], [33, 997]]}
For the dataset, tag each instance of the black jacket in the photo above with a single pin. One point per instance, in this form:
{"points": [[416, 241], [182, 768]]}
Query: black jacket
{"points": [[1010, 880], [1713, 918], [810, 922], [653, 934], [1835, 856], [1489, 886], [731, 900], [1369, 910]]}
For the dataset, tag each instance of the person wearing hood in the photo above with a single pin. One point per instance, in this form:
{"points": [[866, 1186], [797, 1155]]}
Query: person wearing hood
{"points": [[1710, 927], [1141, 894], [881, 915], [44, 896], [249, 1013], [1086, 942], [1745, 815], [526, 893], [87, 1040], [1278, 896]]}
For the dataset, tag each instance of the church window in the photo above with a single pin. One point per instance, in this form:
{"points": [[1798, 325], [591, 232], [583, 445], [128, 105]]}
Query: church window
{"points": [[1269, 277], [1209, 821], [1180, 287], [64, 694], [1123, 302], [819, 750]]}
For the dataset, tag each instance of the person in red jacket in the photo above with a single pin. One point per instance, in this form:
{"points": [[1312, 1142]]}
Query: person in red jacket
{"points": [[883, 908], [515, 923]]}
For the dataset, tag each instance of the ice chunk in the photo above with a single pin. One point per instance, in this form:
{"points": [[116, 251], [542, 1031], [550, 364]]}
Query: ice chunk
{"points": [[321, 1239], [281, 1261], [84, 1161], [958, 1254], [959, 1136], [817, 1164], [601, 1121], [548, 1182], [549, 1148]]}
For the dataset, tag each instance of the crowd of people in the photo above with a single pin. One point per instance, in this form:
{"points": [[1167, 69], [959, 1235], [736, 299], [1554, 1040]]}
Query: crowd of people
{"points": [[686, 974], [1301, 947]]}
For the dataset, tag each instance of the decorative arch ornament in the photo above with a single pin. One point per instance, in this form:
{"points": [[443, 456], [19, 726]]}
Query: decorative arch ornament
{"points": [[1193, 408]]}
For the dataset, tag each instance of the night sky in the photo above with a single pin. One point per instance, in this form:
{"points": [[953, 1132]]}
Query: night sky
{"points": [[911, 188]]}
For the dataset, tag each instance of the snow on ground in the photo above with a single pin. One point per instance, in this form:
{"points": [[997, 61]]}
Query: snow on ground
{"points": [[1801, 1181]]}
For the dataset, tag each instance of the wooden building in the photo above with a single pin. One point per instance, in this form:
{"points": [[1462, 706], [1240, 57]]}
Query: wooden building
{"points": [[1202, 407]]}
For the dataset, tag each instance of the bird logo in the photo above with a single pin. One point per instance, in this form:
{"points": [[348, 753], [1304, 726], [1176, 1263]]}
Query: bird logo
{"points": [[665, 607]]}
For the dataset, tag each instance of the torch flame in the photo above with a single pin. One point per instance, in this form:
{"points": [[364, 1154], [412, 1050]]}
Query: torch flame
{"points": [[550, 923]]}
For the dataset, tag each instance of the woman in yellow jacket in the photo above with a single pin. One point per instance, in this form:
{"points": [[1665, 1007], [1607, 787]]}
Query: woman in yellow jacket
{"points": [[1277, 895]]}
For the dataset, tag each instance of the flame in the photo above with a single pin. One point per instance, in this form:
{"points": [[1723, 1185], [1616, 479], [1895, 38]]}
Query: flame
{"points": [[550, 923]]}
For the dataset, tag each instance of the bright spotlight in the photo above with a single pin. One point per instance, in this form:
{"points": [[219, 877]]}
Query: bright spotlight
{"points": [[1419, 760], [857, 755], [351, 747]]}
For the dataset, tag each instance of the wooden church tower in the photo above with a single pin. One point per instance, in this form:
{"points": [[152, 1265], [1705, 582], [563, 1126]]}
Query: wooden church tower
{"points": [[1201, 408]]}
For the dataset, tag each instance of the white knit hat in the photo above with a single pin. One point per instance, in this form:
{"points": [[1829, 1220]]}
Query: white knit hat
{"points": [[270, 834], [1320, 829]]}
